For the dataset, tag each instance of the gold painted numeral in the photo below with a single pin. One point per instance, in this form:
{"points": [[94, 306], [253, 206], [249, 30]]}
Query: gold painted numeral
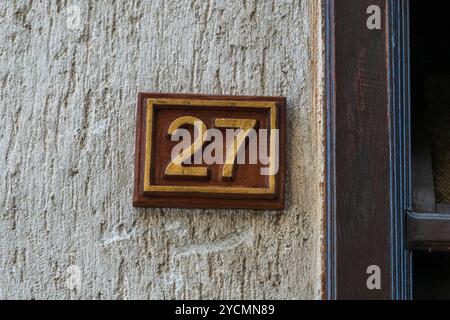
{"points": [[175, 167], [246, 125]]}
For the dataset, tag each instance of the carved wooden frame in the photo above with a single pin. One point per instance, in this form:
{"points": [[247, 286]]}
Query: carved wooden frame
{"points": [[148, 195]]}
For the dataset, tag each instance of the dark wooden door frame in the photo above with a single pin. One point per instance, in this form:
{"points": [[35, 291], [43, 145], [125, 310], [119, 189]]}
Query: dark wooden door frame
{"points": [[368, 153]]}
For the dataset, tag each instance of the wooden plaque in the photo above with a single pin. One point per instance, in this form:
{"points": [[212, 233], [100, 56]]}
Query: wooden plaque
{"points": [[170, 176]]}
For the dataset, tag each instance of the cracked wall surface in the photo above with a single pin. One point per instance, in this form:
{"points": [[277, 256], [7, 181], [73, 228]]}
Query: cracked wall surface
{"points": [[67, 121]]}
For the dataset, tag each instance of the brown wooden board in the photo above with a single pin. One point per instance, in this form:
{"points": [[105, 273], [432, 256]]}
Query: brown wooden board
{"points": [[367, 149], [206, 185], [428, 231]]}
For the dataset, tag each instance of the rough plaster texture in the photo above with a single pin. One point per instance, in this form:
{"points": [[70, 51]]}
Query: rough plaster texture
{"points": [[67, 122]]}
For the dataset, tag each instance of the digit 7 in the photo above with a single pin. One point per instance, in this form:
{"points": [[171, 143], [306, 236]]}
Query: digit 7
{"points": [[247, 126]]}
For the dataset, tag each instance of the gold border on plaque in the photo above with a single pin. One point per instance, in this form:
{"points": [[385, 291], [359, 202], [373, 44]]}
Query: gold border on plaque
{"points": [[148, 187]]}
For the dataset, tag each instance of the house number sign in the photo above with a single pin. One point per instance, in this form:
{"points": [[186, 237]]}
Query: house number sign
{"points": [[203, 151]]}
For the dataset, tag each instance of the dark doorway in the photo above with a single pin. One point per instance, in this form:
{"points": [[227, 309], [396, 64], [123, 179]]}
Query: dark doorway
{"points": [[430, 97], [430, 75]]}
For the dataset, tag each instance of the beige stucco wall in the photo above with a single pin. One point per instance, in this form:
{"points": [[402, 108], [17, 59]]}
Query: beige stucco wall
{"points": [[67, 121]]}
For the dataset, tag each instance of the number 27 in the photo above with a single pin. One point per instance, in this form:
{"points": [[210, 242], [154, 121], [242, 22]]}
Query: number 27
{"points": [[175, 168]]}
